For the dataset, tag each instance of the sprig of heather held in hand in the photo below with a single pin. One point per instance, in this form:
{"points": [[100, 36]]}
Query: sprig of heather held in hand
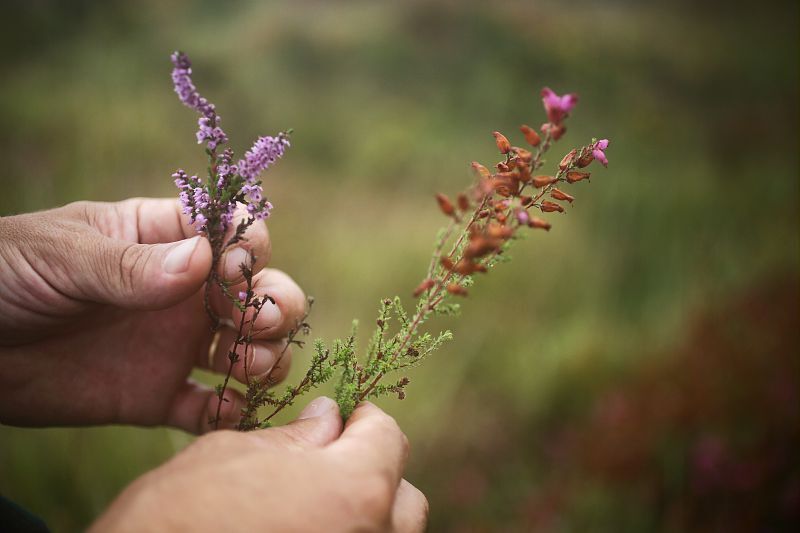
{"points": [[483, 222], [211, 202]]}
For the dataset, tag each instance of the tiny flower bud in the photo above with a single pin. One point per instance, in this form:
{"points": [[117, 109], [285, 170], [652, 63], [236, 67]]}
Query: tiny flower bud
{"points": [[483, 189], [422, 287], [502, 143], [502, 166], [445, 204], [502, 205], [522, 217], [524, 171], [506, 184], [567, 161], [242, 295], [585, 159], [499, 232], [456, 289], [561, 195], [463, 202], [524, 155], [556, 131], [526, 200], [481, 170], [481, 246], [530, 134], [537, 222], [542, 181], [446, 263], [575, 176], [548, 207], [464, 267]]}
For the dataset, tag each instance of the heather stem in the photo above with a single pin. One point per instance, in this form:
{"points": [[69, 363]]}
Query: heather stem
{"points": [[232, 357]]}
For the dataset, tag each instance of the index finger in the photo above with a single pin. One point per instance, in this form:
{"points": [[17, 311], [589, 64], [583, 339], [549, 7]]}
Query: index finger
{"points": [[372, 439]]}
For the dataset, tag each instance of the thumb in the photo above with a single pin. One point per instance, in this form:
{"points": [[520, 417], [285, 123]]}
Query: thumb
{"points": [[144, 276], [317, 425]]}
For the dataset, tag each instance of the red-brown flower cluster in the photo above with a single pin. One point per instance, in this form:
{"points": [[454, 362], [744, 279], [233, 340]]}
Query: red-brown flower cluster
{"points": [[499, 203]]}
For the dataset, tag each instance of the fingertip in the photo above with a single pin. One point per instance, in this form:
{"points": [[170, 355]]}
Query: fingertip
{"points": [[225, 414], [286, 304], [318, 425], [184, 267], [254, 244]]}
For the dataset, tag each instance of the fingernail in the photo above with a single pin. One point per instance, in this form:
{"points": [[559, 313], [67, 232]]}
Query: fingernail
{"points": [[317, 408], [261, 360], [233, 262], [269, 316], [177, 260]]}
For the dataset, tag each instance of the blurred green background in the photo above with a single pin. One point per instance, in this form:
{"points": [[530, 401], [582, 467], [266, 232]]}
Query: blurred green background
{"points": [[636, 369]]}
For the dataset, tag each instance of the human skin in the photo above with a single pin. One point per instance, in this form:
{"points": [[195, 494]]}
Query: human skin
{"points": [[102, 317], [102, 321], [306, 476]]}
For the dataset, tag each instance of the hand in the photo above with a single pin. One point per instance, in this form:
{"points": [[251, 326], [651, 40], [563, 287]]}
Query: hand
{"points": [[306, 476], [102, 317]]}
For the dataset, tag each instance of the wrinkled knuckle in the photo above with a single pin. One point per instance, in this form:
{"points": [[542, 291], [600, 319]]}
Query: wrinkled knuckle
{"points": [[82, 210], [132, 262]]}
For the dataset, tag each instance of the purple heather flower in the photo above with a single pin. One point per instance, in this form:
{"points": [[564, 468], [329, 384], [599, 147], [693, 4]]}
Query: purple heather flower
{"points": [[264, 153], [226, 218], [252, 192], [243, 295], [558, 107], [599, 151], [195, 195], [187, 92], [181, 179], [184, 87], [200, 220], [213, 134], [260, 210], [201, 198]]}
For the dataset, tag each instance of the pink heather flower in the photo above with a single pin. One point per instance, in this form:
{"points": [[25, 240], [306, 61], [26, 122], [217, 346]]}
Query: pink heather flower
{"points": [[558, 107], [243, 295], [523, 217], [599, 151]]}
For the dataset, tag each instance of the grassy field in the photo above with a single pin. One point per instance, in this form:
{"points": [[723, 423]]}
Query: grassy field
{"points": [[697, 213]]}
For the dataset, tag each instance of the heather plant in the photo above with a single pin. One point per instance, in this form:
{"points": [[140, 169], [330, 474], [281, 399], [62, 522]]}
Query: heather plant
{"points": [[483, 222]]}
